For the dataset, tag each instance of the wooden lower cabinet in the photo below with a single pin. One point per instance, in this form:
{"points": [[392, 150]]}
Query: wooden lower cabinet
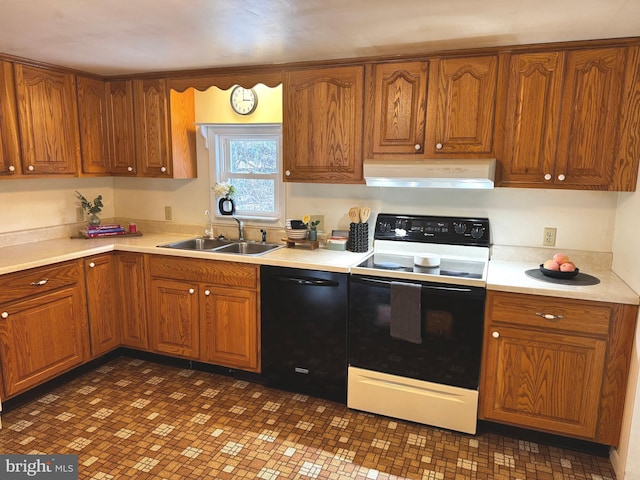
{"points": [[104, 328], [131, 299], [43, 325], [556, 365], [205, 310], [174, 315], [229, 328]]}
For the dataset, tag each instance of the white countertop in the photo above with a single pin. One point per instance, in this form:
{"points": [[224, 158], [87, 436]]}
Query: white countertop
{"points": [[503, 274], [508, 276], [30, 255]]}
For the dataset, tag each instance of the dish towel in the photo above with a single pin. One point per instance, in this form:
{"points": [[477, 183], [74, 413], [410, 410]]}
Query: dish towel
{"points": [[406, 311]]}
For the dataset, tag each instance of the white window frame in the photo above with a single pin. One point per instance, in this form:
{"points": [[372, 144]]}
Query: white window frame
{"points": [[218, 137]]}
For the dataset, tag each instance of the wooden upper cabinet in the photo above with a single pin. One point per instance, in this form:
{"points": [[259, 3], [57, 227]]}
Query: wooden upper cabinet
{"points": [[461, 105], [532, 117], [396, 108], [9, 141], [152, 127], [48, 118], [122, 146], [322, 125], [590, 113], [564, 116], [94, 130]]}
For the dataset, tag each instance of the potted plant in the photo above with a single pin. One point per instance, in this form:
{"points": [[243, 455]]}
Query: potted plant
{"points": [[92, 209], [312, 226]]}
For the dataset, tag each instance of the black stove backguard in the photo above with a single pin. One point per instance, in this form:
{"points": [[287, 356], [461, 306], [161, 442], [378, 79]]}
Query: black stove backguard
{"points": [[433, 229]]}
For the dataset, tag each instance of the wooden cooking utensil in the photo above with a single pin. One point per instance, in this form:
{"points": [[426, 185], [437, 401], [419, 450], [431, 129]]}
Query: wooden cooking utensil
{"points": [[365, 212], [354, 214]]}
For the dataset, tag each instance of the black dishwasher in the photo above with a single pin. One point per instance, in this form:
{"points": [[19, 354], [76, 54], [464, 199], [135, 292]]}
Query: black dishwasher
{"points": [[304, 331]]}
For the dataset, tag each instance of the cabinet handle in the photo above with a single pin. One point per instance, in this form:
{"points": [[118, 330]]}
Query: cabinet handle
{"points": [[92, 264], [12, 168], [439, 146], [549, 316], [192, 291], [495, 334], [207, 292], [288, 173], [39, 283], [547, 176], [4, 315], [163, 169], [561, 177], [30, 168], [417, 146], [129, 169]]}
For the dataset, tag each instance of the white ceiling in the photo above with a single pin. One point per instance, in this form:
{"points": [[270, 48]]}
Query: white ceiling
{"points": [[132, 36]]}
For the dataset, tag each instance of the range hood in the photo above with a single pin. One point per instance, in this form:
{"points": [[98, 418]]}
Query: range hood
{"points": [[431, 173]]}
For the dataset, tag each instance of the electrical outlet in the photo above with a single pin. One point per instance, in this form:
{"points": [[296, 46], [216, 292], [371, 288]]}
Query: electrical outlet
{"points": [[79, 214], [314, 218], [167, 213], [549, 238]]}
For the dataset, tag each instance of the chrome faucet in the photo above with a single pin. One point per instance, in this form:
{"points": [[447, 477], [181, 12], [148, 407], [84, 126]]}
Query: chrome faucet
{"points": [[209, 233], [240, 228]]}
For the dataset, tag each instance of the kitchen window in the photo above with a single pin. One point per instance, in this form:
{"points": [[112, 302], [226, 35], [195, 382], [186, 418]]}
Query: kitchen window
{"points": [[249, 157]]}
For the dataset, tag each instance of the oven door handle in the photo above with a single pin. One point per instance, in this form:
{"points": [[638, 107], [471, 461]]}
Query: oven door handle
{"points": [[427, 287], [311, 282]]}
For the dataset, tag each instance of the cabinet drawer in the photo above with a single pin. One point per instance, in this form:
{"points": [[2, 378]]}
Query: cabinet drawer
{"points": [[206, 271], [36, 281], [578, 316]]}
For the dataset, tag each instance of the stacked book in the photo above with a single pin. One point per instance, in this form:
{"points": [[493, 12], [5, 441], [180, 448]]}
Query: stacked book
{"points": [[94, 231]]}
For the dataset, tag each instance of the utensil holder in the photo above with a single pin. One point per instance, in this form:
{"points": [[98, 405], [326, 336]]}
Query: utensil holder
{"points": [[358, 237]]}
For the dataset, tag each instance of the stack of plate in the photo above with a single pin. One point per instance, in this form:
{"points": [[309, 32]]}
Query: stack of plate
{"points": [[295, 229]]}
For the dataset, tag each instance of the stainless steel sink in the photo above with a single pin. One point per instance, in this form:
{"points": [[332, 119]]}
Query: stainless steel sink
{"points": [[223, 246], [198, 244], [249, 248]]}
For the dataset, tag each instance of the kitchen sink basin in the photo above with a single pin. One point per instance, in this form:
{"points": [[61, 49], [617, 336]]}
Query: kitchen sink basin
{"points": [[249, 248], [198, 244], [223, 246]]}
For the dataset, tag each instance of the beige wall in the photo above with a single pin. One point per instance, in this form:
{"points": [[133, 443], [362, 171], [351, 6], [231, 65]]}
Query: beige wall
{"points": [[626, 262]]}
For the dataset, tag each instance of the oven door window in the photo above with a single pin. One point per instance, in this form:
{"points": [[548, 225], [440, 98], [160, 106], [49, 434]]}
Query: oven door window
{"points": [[451, 320]]}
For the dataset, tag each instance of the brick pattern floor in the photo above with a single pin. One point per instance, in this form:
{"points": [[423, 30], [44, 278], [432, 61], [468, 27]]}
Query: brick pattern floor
{"points": [[132, 418]]}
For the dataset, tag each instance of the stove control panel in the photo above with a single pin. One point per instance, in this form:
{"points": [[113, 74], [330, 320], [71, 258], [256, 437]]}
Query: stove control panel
{"points": [[433, 229]]}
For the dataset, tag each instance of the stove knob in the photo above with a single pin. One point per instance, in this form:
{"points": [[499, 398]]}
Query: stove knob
{"points": [[477, 232], [460, 228]]}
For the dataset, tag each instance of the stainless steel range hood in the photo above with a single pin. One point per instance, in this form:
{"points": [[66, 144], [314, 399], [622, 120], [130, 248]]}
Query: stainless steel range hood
{"points": [[431, 173]]}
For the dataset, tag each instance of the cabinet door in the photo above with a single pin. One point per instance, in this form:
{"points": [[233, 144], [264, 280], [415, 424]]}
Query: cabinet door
{"points": [[42, 337], [589, 121], [549, 382], [104, 327], [322, 125], [131, 294], [174, 318], [9, 144], [396, 108], [48, 116], [229, 328], [121, 130], [151, 127], [532, 117], [462, 104], [94, 131]]}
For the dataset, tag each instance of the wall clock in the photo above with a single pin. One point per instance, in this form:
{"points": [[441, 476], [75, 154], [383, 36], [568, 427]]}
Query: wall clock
{"points": [[243, 100]]}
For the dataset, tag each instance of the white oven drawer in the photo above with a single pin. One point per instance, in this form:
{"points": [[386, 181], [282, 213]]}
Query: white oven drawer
{"points": [[429, 403]]}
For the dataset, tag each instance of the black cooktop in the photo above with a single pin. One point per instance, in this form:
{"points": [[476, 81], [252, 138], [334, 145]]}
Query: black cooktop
{"points": [[447, 267]]}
